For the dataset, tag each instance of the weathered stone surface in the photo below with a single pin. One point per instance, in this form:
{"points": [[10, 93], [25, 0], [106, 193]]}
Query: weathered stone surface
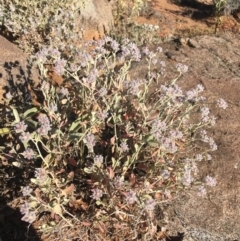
{"points": [[95, 17], [215, 64], [15, 72]]}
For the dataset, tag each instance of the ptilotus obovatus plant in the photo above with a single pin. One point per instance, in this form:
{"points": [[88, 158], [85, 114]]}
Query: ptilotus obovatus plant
{"points": [[104, 149], [35, 24]]}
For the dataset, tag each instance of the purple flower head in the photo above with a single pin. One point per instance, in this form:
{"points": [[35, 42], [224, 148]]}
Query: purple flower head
{"points": [[182, 67], [64, 91], [163, 63], [25, 137], [191, 94], [199, 157], [41, 175], [26, 191], [136, 54], [124, 146], [73, 67], [129, 48], [158, 128], [102, 92], [28, 154], [210, 181], [211, 120], [205, 112], [43, 130], [115, 45], [45, 125], [85, 58], [204, 136], [90, 141], [200, 88], [176, 134], [131, 197], [146, 51], [222, 103], [119, 182], [8, 95], [29, 217], [102, 115], [208, 157], [125, 52], [165, 174], [20, 127], [167, 193], [154, 61], [187, 178], [54, 53], [107, 39], [150, 204], [43, 119], [97, 193], [59, 66], [92, 77], [212, 144], [98, 160], [24, 208], [168, 144], [41, 56], [159, 49], [201, 191], [45, 86], [53, 108], [173, 91], [159, 125], [133, 86]]}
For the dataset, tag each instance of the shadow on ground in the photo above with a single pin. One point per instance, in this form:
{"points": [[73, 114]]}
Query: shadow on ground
{"points": [[11, 226]]}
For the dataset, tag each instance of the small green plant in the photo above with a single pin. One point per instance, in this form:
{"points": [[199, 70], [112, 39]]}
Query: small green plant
{"points": [[36, 23], [105, 145], [126, 27]]}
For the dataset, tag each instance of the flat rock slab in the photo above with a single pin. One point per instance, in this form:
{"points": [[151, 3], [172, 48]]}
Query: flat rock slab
{"points": [[15, 72], [95, 17], [214, 62]]}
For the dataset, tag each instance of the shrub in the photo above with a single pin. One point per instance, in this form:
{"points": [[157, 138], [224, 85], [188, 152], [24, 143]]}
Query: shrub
{"points": [[125, 14], [104, 149], [37, 23], [100, 148]]}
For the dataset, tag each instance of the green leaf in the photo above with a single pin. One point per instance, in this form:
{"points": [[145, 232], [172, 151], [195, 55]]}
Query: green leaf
{"points": [[16, 115], [98, 202], [4, 131], [87, 170], [33, 204], [31, 123], [75, 125], [153, 144], [30, 112], [17, 164], [34, 180], [74, 136], [114, 162], [136, 147], [149, 138]]}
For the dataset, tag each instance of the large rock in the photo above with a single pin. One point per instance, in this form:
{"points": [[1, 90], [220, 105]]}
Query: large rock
{"points": [[95, 17], [15, 73]]}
